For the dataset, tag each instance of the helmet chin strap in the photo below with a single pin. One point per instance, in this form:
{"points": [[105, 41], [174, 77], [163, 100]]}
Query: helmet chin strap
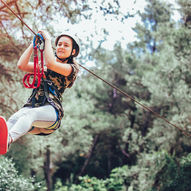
{"points": [[65, 59]]}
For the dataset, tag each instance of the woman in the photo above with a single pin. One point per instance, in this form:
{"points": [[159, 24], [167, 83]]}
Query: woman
{"points": [[42, 113]]}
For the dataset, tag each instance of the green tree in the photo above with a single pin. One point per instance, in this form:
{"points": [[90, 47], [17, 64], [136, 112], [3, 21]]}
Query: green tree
{"points": [[102, 129]]}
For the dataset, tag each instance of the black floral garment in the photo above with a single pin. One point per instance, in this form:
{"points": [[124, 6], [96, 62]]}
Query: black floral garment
{"points": [[59, 81]]}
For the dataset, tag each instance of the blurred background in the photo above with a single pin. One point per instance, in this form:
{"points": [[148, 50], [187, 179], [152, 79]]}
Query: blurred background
{"points": [[106, 141]]}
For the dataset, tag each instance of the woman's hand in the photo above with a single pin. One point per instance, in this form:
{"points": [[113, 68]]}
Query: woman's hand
{"points": [[45, 35]]}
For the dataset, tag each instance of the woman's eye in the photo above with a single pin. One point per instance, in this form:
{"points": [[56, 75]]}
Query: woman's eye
{"points": [[63, 44]]}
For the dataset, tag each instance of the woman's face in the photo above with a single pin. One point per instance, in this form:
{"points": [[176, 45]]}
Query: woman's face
{"points": [[64, 47]]}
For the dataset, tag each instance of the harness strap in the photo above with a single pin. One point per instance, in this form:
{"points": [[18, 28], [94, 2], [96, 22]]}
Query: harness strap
{"points": [[49, 87]]}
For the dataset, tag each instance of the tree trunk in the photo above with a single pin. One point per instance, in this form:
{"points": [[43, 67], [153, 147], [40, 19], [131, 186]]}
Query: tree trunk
{"points": [[47, 170], [89, 156]]}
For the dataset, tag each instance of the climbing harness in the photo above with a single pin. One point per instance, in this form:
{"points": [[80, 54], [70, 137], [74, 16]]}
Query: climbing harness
{"points": [[38, 43], [111, 85]]}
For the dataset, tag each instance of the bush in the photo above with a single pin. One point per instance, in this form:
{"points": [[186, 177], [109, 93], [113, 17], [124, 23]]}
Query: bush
{"points": [[175, 175], [113, 183], [11, 181]]}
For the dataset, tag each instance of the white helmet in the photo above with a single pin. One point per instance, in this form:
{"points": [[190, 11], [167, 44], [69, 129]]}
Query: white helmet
{"points": [[74, 37]]}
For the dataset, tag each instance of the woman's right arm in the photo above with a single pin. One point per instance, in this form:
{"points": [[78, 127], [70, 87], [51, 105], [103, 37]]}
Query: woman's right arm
{"points": [[24, 61]]}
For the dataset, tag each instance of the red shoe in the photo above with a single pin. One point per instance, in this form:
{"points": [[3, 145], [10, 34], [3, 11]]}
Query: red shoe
{"points": [[3, 136]]}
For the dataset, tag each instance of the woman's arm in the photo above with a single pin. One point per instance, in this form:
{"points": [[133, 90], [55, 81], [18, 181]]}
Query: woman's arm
{"points": [[24, 61], [50, 60]]}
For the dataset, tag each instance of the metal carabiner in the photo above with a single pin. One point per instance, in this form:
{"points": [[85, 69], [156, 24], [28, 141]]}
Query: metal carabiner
{"points": [[38, 41]]}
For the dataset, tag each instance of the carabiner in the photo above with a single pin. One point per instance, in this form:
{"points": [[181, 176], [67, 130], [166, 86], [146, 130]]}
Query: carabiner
{"points": [[38, 41]]}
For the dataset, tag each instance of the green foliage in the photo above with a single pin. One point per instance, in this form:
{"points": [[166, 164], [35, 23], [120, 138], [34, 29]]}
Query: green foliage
{"points": [[11, 180], [113, 183], [157, 171], [174, 175], [105, 138]]}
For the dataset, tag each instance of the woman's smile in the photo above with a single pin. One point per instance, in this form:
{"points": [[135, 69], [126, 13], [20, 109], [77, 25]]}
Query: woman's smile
{"points": [[64, 47]]}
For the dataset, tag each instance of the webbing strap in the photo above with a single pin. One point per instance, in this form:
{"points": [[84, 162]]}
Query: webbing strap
{"points": [[38, 71]]}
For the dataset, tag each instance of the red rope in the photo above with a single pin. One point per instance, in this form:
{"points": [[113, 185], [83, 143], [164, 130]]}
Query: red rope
{"points": [[38, 72]]}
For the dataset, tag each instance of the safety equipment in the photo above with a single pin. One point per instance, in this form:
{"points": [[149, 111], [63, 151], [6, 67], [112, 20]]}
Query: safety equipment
{"points": [[38, 43], [48, 87], [75, 39]]}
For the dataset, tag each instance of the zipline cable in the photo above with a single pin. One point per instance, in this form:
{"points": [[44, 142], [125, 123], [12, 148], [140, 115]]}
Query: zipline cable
{"points": [[133, 99], [38, 71], [18, 17], [111, 85]]}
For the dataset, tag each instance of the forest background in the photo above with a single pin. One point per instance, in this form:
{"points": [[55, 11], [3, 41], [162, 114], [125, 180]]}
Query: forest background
{"points": [[106, 142]]}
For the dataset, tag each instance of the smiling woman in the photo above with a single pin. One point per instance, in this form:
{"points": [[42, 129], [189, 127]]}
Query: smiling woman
{"points": [[64, 48], [42, 113]]}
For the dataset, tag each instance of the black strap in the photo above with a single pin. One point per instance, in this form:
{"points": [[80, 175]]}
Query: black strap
{"points": [[65, 59], [32, 97], [48, 84]]}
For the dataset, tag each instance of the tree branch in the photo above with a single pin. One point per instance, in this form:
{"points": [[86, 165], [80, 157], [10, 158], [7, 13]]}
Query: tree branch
{"points": [[89, 155], [9, 4]]}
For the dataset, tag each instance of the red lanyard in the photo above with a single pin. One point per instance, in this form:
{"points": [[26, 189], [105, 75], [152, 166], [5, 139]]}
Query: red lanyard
{"points": [[38, 71]]}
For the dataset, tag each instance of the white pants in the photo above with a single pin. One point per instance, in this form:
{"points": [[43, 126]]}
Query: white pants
{"points": [[22, 121]]}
